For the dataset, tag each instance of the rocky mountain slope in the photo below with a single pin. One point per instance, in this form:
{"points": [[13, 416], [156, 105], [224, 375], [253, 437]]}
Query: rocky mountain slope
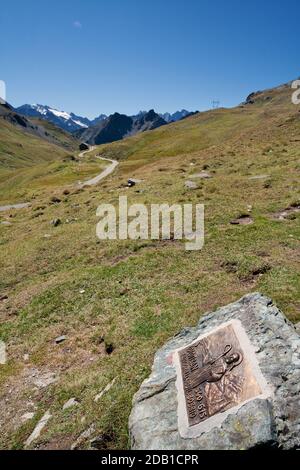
{"points": [[24, 141], [71, 122], [118, 126], [68, 121]]}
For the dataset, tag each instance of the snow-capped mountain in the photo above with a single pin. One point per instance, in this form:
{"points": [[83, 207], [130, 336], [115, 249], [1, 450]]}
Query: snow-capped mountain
{"points": [[68, 121]]}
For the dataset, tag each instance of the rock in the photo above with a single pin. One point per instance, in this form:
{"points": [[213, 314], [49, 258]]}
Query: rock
{"points": [[71, 402], [270, 418], [38, 429], [105, 390], [132, 182], [56, 222], [3, 357], [83, 437], [191, 185], [60, 339], [55, 200], [259, 177], [202, 175], [44, 380], [27, 417], [244, 219]]}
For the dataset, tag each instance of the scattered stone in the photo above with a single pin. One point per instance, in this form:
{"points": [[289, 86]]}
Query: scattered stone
{"points": [[191, 185], [70, 403], [44, 380], [60, 339], [132, 182], [5, 222], [259, 177], [26, 357], [38, 429], [244, 219], [3, 357], [47, 235], [55, 200], [66, 192], [289, 213], [56, 222], [83, 437], [27, 417], [297, 327], [202, 175], [82, 291], [252, 405], [105, 390]]}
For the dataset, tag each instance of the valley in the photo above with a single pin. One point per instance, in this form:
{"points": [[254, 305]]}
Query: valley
{"points": [[81, 318]]}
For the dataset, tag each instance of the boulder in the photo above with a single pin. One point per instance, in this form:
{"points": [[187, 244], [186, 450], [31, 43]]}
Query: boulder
{"points": [[231, 382], [132, 182], [191, 185]]}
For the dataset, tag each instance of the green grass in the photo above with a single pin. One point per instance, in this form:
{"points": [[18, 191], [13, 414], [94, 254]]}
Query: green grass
{"points": [[19, 149]]}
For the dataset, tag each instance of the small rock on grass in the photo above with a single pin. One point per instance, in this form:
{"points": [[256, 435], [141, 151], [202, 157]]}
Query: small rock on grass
{"points": [[60, 339], [56, 222], [83, 437], [202, 175], [70, 403], [38, 429], [3, 357], [244, 219], [191, 185], [105, 390], [27, 417]]}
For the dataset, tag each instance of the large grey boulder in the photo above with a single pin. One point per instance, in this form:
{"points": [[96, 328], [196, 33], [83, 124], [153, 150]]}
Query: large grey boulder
{"points": [[271, 420]]}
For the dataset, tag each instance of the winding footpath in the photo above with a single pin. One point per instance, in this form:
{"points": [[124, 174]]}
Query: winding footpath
{"points": [[91, 182]]}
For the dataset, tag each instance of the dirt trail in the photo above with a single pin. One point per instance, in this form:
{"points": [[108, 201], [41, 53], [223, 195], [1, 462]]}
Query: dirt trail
{"points": [[90, 182]]}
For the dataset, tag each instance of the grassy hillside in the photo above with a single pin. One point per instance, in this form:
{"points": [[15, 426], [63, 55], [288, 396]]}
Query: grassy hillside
{"points": [[30, 165], [19, 149], [117, 302]]}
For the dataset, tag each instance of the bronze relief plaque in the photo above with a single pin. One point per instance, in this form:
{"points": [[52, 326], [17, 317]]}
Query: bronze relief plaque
{"points": [[216, 374]]}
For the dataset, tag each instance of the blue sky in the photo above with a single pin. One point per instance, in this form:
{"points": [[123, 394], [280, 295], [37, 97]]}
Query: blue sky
{"points": [[101, 56]]}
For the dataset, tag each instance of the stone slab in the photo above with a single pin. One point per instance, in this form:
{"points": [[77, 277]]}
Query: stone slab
{"points": [[227, 390], [270, 419]]}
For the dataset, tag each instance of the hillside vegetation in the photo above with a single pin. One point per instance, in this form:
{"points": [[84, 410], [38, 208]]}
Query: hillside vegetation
{"points": [[116, 302]]}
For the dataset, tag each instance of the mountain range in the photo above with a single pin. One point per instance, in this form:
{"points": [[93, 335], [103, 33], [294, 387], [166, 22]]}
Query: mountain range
{"points": [[117, 126], [68, 121], [71, 122]]}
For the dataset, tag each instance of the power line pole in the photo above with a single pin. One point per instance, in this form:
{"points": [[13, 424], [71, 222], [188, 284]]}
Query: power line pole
{"points": [[215, 104]]}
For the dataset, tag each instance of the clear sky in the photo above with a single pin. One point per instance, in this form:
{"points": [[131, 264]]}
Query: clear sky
{"points": [[101, 56]]}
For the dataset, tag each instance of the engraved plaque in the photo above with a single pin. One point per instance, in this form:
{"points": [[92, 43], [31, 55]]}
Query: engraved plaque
{"points": [[216, 374]]}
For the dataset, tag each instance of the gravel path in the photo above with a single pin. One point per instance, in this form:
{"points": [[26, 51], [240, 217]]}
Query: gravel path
{"points": [[90, 182]]}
